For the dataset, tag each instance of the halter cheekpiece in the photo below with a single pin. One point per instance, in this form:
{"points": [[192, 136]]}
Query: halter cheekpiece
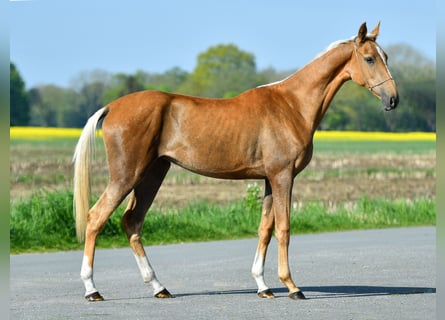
{"points": [[368, 86]]}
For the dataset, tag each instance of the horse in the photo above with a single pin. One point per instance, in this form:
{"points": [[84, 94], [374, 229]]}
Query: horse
{"points": [[264, 133]]}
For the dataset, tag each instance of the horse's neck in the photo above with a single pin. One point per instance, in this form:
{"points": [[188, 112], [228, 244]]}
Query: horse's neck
{"points": [[311, 89]]}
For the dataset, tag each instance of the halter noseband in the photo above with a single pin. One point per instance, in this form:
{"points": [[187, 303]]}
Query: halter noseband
{"points": [[368, 86]]}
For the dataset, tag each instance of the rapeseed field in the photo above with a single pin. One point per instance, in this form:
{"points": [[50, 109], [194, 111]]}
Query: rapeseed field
{"points": [[39, 133]]}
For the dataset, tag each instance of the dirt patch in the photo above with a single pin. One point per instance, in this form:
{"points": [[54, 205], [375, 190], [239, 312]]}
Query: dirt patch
{"points": [[329, 177], [330, 190]]}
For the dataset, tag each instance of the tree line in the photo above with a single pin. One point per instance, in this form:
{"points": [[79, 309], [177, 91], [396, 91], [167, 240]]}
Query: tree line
{"points": [[224, 71]]}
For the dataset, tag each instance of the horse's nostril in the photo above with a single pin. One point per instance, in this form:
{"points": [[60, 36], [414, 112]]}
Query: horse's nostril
{"points": [[393, 102]]}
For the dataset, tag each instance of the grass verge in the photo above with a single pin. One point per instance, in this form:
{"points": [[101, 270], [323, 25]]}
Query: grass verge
{"points": [[45, 222]]}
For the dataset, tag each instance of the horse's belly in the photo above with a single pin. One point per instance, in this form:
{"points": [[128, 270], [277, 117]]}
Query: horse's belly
{"points": [[220, 166]]}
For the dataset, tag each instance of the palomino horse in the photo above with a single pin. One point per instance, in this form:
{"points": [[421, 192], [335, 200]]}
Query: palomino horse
{"points": [[264, 133]]}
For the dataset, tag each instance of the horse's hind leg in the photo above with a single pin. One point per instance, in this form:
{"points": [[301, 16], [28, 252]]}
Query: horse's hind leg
{"points": [[264, 235], [97, 216], [132, 221]]}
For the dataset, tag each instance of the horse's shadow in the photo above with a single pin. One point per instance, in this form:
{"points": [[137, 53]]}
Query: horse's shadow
{"points": [[312, 293], [326, 292]]}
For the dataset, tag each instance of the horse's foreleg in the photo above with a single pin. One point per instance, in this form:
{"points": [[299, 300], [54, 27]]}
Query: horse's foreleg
{"points": [[132, 221], [264, 235], [97, 216], [281, 188]]}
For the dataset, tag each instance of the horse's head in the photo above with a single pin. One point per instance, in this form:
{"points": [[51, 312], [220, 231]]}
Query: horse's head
{"points": [[369, 67]]}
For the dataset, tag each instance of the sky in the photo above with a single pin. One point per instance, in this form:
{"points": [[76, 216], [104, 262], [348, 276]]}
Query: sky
{"points": [[53, 41]]}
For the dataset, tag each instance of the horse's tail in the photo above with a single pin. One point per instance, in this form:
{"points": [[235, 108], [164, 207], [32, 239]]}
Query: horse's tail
{"points": [[82, 165]]}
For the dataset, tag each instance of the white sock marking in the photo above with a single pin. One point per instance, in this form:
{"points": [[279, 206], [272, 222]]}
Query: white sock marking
{"points": [[258, 272], [86, 274], [148, 274]]}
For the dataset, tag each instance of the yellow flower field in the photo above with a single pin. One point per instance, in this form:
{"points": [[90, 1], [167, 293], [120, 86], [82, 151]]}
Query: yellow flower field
{"points": [[38, 133], [374, 136]]}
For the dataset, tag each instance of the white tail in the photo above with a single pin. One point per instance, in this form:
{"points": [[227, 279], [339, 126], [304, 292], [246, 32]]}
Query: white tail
{"points": [[82, 164]]}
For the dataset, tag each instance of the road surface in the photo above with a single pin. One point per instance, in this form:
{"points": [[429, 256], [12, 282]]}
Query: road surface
{"points": [[376, 274]]}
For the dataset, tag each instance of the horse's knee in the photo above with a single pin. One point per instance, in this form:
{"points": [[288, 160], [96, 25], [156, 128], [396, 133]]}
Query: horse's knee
{"points": [[283, 236]]}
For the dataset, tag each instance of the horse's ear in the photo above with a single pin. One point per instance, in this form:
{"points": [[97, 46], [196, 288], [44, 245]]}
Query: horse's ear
{"points": [[375, 32], [362, 33]]}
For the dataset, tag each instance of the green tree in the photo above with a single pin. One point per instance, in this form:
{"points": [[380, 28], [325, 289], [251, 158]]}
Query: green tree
{"points": [[270, 75], [347, 109], [90, 87], [222, 71], [169, 81], [20, 103], [90, 100], [123, 84], [416, 80], [53, 106]]}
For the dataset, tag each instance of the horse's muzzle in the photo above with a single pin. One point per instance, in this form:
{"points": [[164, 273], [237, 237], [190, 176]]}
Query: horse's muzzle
{"points": [[390, 102]]}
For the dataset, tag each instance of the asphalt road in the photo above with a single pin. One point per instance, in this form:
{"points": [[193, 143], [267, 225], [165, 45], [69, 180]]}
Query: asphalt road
{"points": [[377, 274]]}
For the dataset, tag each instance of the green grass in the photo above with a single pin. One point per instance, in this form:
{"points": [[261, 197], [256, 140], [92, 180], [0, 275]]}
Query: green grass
{"points": [[371, 147], [45, 221], [326, 146]]}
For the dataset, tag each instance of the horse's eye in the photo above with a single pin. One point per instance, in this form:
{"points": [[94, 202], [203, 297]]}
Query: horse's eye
{"points": [[369, 60]]}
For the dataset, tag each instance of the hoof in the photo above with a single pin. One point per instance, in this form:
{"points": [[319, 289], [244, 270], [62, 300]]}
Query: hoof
{"points": [[95, 296], [266, 294], [297, 295], [164, 294]]}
